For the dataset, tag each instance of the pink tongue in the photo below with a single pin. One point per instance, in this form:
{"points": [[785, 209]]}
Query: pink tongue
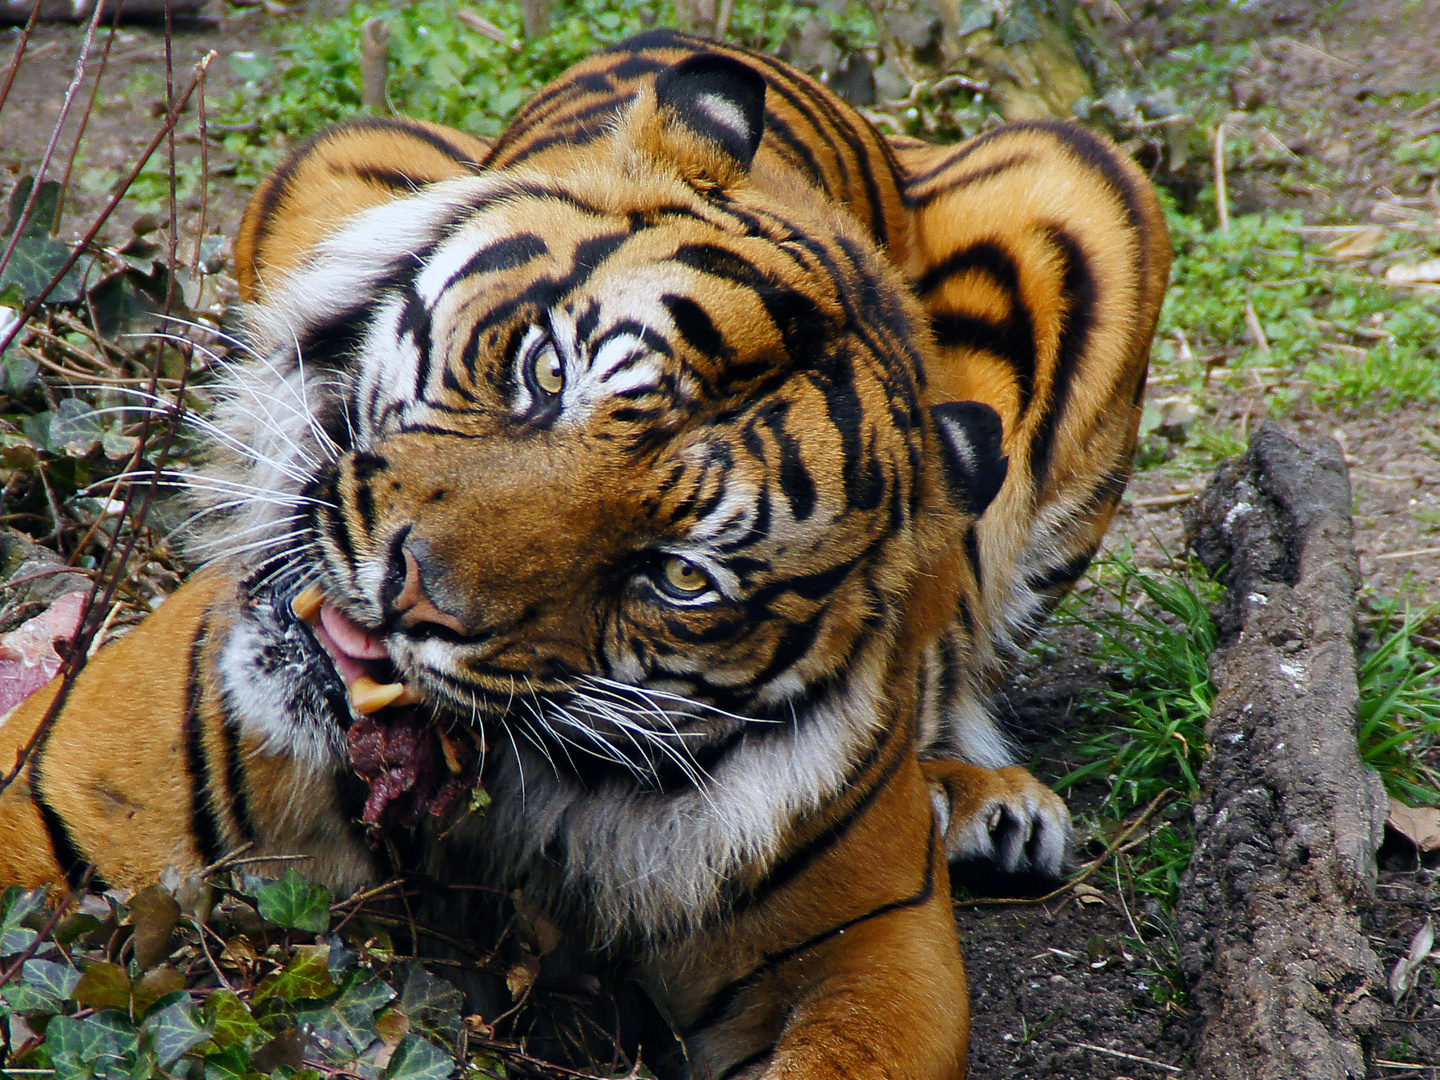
{"points": [[350, 637]]}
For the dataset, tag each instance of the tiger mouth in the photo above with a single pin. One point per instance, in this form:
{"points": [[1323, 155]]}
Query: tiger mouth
{"points": [[358, 655], [412, 765]]}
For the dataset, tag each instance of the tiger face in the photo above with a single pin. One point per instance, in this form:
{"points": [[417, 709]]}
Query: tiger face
{"points": [[634, 450]]}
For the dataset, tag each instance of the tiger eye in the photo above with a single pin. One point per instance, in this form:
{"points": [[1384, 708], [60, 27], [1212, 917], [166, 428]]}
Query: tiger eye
{"points": [[549, 371], [683, 577]]}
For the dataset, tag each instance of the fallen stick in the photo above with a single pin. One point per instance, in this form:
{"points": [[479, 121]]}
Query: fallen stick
{"points": [[1289, 819]]}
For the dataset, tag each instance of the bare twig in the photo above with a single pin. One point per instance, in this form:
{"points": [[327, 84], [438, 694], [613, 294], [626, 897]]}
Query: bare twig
{"points": [[1164, 1067], [1222, 197], [1257, 332], [485, 28], [20, 47], [1414, 554], [374, 64], [1155, 501], [76, 78]]}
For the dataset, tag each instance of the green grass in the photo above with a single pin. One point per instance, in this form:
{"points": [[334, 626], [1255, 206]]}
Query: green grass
{"points": [[444, 71], [1331, 324], [1399, 726], [1145, 733]]}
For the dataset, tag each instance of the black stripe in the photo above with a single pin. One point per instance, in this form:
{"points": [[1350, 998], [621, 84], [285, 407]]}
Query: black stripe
{"points": [[972, 553], [507, 254], [745, 1063], [393, 179], [205, 823], [794, 478], [1066, 574], [802, 858], [696, 327], [67, 853], [1079, 289], [1012, 339], [235, 771], [725, 997], [957, 183]]}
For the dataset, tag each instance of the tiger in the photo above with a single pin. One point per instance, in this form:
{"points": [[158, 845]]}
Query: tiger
{"points": [[681, 469]]}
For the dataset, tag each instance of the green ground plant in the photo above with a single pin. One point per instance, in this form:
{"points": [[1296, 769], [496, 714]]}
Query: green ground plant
{"points": [[1399, 723], [1144, 734], [1326, 322], [443, 69]]}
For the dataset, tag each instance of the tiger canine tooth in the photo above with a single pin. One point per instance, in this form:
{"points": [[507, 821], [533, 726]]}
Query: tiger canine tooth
{"points": [[408, 696], [452, 754], [306, 604], [369, 696]]}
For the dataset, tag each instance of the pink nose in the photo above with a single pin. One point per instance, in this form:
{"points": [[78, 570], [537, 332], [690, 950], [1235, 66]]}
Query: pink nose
{"points": [[414, 604]]}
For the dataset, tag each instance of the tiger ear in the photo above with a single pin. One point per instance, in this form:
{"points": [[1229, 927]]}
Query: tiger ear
{"points": [[971, 452], [714, 101]]}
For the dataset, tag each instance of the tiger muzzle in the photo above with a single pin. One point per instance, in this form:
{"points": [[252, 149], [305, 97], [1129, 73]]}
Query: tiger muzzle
{"points": [[494, 543]]}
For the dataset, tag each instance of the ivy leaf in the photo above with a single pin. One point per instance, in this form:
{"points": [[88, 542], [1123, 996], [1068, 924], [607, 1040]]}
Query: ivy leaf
{"points": [[43, 986], [99, 1047], [229, 1020], [307, 975], [103, 986], [38, 256], [346, 1026], [33, 265], [295, 903], [175, 1029], [432, 1004], [232, 1063], [419, 1059], [16, 904]]}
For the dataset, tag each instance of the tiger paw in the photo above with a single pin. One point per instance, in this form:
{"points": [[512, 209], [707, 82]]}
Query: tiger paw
{"points": [[1001, 817]]}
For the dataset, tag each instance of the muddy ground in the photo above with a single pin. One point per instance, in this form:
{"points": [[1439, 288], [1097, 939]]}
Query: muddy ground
{"points": [[1074, 988]]}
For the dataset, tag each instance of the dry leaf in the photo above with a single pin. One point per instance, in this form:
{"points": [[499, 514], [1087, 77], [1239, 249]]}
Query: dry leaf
{"points": [[1418, 824], [28, 659], [1402, 977], [522, 976], [1088, 894], [154, 914], [1410, 273], [1359, 244]]}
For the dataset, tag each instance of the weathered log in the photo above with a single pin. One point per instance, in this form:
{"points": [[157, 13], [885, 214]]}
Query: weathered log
{"points": [[18, 11], [1290, 818]]}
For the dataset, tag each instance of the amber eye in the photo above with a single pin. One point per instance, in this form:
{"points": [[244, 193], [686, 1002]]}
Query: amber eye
{"points": [[548, 370], [682, 577]]}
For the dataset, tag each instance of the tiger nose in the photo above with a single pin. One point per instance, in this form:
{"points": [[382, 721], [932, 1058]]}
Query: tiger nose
{"points": [[413, 603]]}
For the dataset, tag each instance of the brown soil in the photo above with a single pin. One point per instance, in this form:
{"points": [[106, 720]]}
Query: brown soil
{"points": [[1072, 988]]}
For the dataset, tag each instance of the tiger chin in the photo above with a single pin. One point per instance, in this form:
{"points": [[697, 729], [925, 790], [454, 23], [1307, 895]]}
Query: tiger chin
{"points": [[683, 468]]}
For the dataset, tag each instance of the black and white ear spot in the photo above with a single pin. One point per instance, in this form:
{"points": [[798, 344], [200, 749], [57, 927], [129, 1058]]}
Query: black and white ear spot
{"points": [[972, 451], [719, 99]]}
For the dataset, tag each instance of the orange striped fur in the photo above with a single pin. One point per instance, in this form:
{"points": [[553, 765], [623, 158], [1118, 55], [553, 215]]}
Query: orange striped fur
{"points": [[698, 455]]}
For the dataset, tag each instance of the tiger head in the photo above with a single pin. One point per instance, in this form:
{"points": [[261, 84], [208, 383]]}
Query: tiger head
{"points": [[625, 460]]}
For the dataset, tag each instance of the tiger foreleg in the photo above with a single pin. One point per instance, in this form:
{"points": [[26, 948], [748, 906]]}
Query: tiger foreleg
{"points": [[1002, 817], [888, 1000]]}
